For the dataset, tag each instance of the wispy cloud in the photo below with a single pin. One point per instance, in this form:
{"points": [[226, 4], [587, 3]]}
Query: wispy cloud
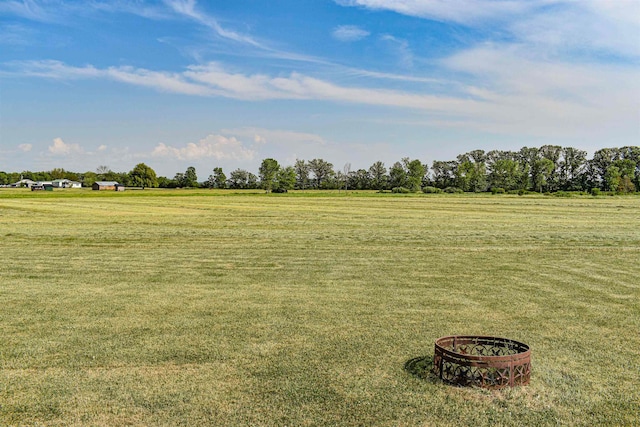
{"points": [[515, 90], [188, 9], [28, 9], [15, 34], [213, 80], [586, 26], [400, 49], [262, 136], [25, 147], [395, 76], [611, 26], [59, 11], [349, 33], [461, 11]]}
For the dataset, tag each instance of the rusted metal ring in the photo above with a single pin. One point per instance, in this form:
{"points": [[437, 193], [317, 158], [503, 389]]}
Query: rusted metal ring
{"points": [[486, 362]]}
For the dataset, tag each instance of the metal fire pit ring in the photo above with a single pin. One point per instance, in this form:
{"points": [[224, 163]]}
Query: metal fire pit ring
{"points": [[486, 362]]}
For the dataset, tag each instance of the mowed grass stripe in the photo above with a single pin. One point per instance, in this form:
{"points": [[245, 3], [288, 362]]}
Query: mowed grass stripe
{"points": [[210, 308]]}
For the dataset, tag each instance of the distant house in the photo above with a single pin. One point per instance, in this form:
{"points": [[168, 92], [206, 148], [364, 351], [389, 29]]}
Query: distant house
{"points": [[24, 183], [107, 185], [65, 183]]}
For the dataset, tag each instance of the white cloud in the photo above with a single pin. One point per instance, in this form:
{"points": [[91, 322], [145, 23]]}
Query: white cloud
{"points": [[213, 80], [275, 136], [349, 33], [25, 147], [52, 70], [213, 146], [513, 89], [607, 25], [59, 147], [164, 81], [588, 25], [523, 93], [102, 148], [461, 11]]}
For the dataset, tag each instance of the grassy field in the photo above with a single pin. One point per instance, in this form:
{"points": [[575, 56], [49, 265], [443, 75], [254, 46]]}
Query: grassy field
{"points": [[213, 308]]}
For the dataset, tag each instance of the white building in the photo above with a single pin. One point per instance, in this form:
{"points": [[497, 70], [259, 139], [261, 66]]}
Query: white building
{"points": [[24, 183], [65, 183]]}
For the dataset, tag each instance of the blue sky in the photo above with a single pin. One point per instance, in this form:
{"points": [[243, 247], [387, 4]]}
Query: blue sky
{"points": [[180, 83]]}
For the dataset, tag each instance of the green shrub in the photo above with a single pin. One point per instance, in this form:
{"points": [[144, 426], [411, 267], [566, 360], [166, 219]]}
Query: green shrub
{"points": [[563, 194], [497, 190], [401, 190], [431, 190], [453, 190], [595, 191]]}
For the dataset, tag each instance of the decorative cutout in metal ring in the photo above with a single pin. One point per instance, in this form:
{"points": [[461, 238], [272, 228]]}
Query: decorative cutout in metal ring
{"points": [[486, 362]]}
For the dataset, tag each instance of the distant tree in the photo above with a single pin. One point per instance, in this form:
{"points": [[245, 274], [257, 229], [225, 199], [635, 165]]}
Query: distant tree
{"points": [[143, 176], [113, 176], [378, 174], [285, 179], [443, 173], [187, 179], [620, 176], [504, 174], [217, 180], [600, 163], [190, 177], [415, 174], [553, 153], [627, 167], [322, 170], [471, 171], [397, 176], [220, 178], [267, 173], [13, 177], [346, 170], [57, 173], [572, 166], [101, 172], [4, 178], [87, 179], [527, 156], [122, 178], [541, 172], [633, 153], [242, 179], [464, 174], [626, 185], [302, 170], [164, 182], [360, 180], [612, 178]]}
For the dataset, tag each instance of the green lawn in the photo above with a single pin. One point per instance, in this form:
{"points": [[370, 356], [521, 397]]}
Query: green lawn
{"points": [[213, 308]]}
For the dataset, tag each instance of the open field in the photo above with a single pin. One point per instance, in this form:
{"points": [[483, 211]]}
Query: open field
{"points": [[214, 308]]}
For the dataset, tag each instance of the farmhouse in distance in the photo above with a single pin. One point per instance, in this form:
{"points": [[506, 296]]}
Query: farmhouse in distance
{"points": [[107, 186]]}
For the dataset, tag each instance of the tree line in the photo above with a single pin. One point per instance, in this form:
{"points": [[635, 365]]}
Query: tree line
{"points": [[549, 168]]}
